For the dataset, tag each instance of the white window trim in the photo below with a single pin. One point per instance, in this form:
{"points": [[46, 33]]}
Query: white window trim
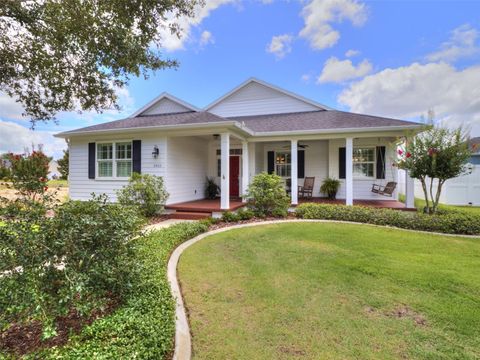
{"points": [[275, 162], [357, 177], [114, 160]]}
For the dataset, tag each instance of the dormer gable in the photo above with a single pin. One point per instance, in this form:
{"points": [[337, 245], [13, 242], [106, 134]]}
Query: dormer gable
{"points": [[165, 104], [256, 97]]}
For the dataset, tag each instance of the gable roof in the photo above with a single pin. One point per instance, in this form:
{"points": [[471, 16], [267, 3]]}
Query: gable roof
{"points": [[322, 120], [270, 86], [301, 122], [165, 96]]}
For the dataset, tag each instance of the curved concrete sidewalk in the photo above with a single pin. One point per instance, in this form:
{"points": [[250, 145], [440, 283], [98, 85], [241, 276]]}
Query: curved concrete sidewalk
{"points": [[183, 341]]}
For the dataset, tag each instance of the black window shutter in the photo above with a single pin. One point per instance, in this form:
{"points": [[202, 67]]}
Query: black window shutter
{"points": [[137, 156], [271, 162], [380, 162], [342, 167], [301, 164], [91, 160]]}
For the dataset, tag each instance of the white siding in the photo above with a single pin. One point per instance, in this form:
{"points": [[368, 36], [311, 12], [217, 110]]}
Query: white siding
{"points": [[81, 187], [187, 168], [257, 99], [362, 187], [165, 106]]}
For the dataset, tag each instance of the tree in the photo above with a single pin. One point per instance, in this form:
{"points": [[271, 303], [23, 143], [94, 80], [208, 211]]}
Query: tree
{"points": [[63, 164], [73, 54], [433, 157]]}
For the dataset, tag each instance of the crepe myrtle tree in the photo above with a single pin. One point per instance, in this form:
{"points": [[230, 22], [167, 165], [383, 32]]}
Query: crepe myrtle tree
{"points": [[433, 157], [73, 54]]}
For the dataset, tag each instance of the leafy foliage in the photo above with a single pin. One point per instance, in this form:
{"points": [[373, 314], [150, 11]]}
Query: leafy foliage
{"points": [[211, 188], [330, 187], [433, 157], [28, 173], [73, 260], [144, 327], [67, 55], [63, 164], [266, 195], [448, 222], [145, 191]]}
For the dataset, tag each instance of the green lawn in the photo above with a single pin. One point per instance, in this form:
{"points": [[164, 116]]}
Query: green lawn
{"points": [[332, 291], [420, 204]]}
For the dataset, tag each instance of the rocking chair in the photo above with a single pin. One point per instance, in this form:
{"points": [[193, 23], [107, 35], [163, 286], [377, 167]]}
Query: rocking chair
{"points": [[307, 189], [386, 190]]}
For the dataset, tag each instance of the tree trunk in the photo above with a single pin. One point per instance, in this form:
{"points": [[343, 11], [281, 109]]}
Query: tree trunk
{"points": [[425, 193], [437, 196]]}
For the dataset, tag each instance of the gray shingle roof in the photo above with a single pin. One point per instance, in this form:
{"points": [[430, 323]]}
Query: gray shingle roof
{"points": [[316, 120], [183, 118], [300, 121]]}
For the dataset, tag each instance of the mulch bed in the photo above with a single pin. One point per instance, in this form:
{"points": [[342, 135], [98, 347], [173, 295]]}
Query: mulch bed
{"points": [[223, 224], [21, 339]]}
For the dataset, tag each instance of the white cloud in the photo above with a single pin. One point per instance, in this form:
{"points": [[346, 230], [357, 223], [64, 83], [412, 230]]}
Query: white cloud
{"points": [[206, 38], [9, 108], [461, 44], [338, 71], [15, 138], [320, 14], [407, 92], [172, 42], [280, 45], [306, 78], [352, 53]]}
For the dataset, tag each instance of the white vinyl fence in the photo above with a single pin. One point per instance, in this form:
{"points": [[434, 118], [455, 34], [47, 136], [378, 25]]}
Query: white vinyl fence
{"points": [[464, 190]]}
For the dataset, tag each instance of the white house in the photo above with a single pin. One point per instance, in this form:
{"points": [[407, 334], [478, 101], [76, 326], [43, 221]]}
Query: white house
{"points": [[253, 128]]}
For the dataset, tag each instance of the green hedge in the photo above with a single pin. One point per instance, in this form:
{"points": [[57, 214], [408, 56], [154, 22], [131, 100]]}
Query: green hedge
{"points": [[449, 223], [144, 327]]}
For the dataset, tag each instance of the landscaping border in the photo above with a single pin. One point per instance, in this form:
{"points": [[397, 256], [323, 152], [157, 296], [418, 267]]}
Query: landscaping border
{"points": [[183, 339]]}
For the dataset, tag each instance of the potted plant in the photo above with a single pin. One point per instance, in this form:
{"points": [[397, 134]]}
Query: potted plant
{"points": [[330, 187], [211, 189]]}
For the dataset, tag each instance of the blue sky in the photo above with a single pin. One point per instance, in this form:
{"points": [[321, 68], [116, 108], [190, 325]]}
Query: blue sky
{"points": [[389, 58]]}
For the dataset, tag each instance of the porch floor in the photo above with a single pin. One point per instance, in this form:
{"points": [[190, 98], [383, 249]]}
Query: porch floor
{"points": [[208, 205], [385, 204]]}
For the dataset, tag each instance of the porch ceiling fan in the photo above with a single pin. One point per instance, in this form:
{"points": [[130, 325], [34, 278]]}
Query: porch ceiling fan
{"points": [[300, 146]]}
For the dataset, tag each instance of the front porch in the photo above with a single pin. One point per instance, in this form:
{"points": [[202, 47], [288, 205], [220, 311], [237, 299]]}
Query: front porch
{"points": [[200, 209]]}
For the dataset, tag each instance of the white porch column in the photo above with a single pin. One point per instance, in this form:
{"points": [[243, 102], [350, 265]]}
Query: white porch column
{"points": [[409, 191], [225, 171], [349, 171], [245, 169], [251, 161], [294, 171]]}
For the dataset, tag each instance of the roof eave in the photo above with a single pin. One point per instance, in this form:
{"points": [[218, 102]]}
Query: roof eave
{"points": [[340, 130], [207, 125]]}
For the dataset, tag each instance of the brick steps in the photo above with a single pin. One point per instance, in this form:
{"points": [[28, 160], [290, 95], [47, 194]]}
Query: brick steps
{"points": [[190, 215]]}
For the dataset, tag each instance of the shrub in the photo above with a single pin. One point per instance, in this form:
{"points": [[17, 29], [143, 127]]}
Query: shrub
{"points": [[74, 260], [28, 173], [211, 188], [266, 196], [229, 216], [144, 326], [449, 223], [330, 187], [245, 214], [145, 191]]}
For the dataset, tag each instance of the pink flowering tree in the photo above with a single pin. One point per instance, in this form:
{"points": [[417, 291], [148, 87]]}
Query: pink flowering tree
{"points": [[433, 157]]}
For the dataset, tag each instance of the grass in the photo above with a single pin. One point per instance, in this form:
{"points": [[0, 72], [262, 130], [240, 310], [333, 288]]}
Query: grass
{"points": [[58, 183], [420, 204], [331, 291]]}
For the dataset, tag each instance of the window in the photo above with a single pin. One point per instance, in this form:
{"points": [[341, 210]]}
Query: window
{"points": [[114, 160], [283, 164], [363, 162]]}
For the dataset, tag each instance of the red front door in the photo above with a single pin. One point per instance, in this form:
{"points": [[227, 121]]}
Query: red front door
{"points": [[234, 175]]}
